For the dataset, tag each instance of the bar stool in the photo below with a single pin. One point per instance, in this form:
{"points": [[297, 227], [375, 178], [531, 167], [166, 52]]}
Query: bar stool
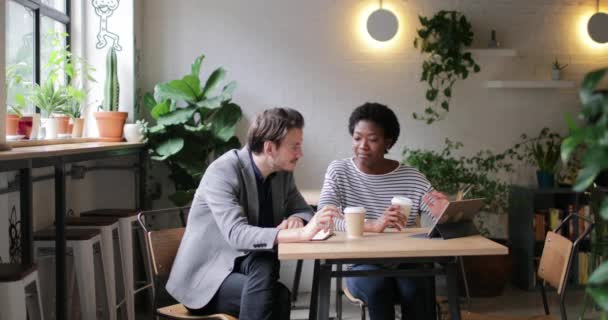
{"points": [[112, 259], [84, 246], [20, 292], [134, 253]]}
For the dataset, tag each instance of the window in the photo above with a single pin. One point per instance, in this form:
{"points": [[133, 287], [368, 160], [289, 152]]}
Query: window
{"points": [[33, 30]]}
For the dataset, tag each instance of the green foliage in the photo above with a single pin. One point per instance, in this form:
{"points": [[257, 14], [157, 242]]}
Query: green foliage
{"points": [[112, 88], [558, 66], [542, 151], [16, 87], [478, 173], [62, 92], [593, 135], [194, 124], [443, 38]]}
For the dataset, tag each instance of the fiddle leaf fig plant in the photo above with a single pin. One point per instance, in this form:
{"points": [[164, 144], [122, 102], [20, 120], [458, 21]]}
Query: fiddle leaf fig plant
{"points": [[443, 38], [593, 136], [194, 124]]}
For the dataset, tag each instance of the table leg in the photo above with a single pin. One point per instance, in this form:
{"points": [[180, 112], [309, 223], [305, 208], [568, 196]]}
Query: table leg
{"points": [[60, 242], [27, 221], [312, 312], [452, 279], [324, 291], [339, 293], [296, 283]]}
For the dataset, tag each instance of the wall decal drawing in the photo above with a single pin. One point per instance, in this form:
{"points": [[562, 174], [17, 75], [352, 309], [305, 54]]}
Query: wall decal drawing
{"points": [[14, 232], [104, 9]]}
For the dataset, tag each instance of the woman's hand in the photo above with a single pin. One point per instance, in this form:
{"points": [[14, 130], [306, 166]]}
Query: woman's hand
{"points": [[322, 220], [436, 202], [392, 217]]}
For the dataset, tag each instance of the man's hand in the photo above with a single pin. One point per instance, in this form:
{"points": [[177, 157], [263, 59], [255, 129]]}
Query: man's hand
{"points": [[392, 217], [436, 202], [322, 220], [291, 223]]}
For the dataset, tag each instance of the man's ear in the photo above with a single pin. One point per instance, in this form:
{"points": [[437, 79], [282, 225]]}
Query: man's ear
{"points": [[269, 147]]}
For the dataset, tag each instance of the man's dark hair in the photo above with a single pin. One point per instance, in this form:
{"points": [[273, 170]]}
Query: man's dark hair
{"points": [[272, 125], [379, 114]]}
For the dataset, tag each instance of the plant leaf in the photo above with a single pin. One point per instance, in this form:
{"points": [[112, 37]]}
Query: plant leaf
{"points": [[214, 80], [196, 66], [160, 109], [179, 116], [182, 198], [224, 121], [168, 148]]}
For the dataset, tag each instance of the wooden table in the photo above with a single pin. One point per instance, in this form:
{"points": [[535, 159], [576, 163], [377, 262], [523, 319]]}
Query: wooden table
{"points": [[411, 246], [24, 159]]}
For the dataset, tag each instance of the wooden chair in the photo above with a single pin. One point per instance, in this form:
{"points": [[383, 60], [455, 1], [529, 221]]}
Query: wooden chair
{"points": [[554, 269], [162, 247]]}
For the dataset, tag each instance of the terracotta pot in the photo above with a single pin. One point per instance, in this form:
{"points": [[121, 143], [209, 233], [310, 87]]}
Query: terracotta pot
{"points": [[12, 123], [77, 127], [110, 124], [62, 124]]}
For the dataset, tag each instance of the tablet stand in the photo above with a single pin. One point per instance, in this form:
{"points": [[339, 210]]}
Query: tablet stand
{"points": [[454, 230]]}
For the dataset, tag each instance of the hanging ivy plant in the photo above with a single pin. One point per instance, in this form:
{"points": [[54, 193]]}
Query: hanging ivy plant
{"points": [[443, 38]]}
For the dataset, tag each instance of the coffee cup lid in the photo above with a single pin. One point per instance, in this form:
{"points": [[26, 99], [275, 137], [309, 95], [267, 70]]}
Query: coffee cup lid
{"points": [[401, 200], [354, 210]]}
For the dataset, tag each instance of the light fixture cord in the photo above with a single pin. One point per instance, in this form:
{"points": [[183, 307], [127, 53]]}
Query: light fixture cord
{"points": [[381, 4], [597, 6]]}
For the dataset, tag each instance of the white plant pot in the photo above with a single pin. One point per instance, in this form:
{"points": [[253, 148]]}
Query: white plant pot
{"points": [[132, 132], [556, 74], [50, 128]]}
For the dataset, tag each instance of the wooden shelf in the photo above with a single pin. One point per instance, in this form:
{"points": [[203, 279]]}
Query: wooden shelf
{"points": [[530, 84], [494, 52]]}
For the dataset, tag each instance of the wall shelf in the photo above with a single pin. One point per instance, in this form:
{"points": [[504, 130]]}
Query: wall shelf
{"points": [[493, 52], [530, 84]]}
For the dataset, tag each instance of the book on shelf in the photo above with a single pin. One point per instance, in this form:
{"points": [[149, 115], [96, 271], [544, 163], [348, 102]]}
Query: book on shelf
{"points": [[555, 218], [539, 227]]}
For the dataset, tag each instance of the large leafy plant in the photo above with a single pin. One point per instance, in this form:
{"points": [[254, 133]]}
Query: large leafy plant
{"points": [[443, 38], [478, 173], [194, 124], [593, 135]]}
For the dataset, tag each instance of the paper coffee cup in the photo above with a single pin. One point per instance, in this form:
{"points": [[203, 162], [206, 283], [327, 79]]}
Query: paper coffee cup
{"points": [[404, 203], [355, 218]]}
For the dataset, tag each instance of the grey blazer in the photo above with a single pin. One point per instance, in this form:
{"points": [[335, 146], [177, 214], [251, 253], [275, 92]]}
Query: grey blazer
{"points": [[222, 225]]}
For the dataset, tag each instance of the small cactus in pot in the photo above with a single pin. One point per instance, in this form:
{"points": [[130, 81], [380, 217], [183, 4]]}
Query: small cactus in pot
{"points": [[110, 121]]}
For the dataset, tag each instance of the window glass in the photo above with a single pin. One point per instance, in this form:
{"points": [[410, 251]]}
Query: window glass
{"points": [[19, 56]]}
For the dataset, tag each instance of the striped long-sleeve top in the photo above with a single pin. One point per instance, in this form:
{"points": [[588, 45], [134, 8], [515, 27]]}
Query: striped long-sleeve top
{"points": [[346, 186]]}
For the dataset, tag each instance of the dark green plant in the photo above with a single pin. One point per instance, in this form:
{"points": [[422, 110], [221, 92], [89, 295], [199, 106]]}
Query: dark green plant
{"points": [[479, 173], [48, 96], [593, 135], [542, 151], [194, 124], [444, 38], [558, 66], [112, 88]]}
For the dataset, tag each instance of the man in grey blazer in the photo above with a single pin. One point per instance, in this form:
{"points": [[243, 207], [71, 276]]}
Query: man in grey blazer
{"points": [[246, 203]]}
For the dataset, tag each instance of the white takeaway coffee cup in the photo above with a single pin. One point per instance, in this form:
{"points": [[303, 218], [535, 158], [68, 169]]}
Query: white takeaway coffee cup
{"points": [[355, 218], [404, 203]]}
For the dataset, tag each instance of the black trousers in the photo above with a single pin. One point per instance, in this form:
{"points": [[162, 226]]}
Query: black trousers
{"points": [[252, 290]]}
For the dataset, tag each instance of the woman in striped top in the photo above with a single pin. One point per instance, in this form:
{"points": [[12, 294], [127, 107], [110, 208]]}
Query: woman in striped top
{"points": [[370, 180]]}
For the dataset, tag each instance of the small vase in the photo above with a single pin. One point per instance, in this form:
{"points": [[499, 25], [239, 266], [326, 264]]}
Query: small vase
{"points": [[50, 128], [77, 126], [556, 74], [62, 125], [133, 133], [25, 127], [546, 180]]}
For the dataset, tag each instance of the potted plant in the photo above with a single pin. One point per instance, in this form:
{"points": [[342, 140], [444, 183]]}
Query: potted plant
{"points": [[473, 177], [110, 121], [193, 125], [13, 115], [543, 152], [556, 70], [73, 109], [444, 38], [592, 135], [48, 97]]}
